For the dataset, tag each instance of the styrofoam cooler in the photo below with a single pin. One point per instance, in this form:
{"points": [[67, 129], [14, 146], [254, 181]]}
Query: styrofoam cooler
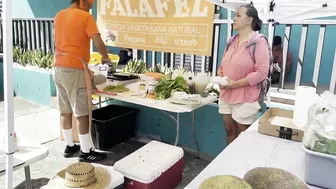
{"points": [[320, 169], [154, 166]]}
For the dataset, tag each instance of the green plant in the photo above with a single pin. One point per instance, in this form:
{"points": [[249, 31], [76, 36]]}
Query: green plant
{"points": [[160, 69], [135, 66], [37, 58]]}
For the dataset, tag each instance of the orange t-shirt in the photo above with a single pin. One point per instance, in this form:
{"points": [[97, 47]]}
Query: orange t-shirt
{"points": [[73, 29]]}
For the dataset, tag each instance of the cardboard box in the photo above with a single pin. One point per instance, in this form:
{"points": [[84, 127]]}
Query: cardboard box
{"points": [[75, 136], [279, 123]]}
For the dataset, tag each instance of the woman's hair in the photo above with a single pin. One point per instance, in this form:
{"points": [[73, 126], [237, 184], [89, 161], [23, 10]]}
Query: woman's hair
{"points": [[252, 12], [74, 1]]}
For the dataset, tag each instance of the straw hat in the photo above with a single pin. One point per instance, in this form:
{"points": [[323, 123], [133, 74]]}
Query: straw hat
{"points": [[81, 176]]}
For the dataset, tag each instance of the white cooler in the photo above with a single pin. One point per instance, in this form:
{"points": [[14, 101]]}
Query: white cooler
{"points": [[155, 165]]}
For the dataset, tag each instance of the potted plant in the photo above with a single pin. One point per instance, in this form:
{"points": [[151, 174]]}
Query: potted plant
{"points": [[33, 75]]}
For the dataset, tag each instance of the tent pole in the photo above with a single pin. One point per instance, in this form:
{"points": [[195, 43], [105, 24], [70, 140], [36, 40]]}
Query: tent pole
{"points": [[8, 90], [270, 40], [229, 24]]}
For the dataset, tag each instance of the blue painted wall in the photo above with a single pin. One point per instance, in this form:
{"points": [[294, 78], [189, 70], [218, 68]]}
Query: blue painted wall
{"points": [[37, 86], [37, 8], [209, 127]]}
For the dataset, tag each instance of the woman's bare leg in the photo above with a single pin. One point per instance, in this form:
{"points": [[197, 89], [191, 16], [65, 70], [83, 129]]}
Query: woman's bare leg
{"points": [[230, 127]]}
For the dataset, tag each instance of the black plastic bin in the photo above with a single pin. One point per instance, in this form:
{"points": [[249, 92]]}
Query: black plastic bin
{"points": [[112, 125]]}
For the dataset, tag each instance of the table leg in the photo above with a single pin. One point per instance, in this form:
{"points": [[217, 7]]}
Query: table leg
{"points": [[28, 179], [194, 132], [177, 129], [99, 101]]}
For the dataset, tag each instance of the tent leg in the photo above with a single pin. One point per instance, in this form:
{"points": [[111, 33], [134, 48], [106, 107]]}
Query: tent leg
{"points": [[8, 90], [28, 179], [9, 171], [270, 40]]}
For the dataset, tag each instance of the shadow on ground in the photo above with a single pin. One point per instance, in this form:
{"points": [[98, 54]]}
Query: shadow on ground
{"points": [[36, 183], [47, 168]]}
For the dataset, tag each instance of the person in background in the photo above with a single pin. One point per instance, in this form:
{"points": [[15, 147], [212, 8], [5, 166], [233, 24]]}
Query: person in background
{"points": [[238, 101], [74, 27], [277, 52], [125, 55]]}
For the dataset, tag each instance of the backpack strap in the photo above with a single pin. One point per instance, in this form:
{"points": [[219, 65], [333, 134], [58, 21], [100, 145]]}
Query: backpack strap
{"points": [[253, 43], [229, 42]]}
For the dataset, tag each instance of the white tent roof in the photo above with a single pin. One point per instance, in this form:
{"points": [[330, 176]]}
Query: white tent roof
{"points": [[285, 9]]}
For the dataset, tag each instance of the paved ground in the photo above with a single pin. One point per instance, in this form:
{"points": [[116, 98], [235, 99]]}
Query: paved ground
{"points": [[40, 124]]}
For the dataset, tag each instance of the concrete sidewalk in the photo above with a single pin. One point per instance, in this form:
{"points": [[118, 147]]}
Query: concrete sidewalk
{"points": [[41, 124]]}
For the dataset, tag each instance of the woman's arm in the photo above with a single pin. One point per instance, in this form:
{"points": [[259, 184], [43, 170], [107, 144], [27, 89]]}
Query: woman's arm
{"points": [[220, 68]]}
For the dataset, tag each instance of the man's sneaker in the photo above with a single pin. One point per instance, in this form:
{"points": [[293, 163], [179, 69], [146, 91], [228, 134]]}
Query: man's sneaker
{"points": [[92, 156], [71, 150]]}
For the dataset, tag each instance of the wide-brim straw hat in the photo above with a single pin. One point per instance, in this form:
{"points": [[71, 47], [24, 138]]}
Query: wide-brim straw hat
{"points": [[103, 179]]}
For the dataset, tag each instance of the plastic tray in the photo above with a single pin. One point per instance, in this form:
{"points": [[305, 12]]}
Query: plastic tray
{"points": [[320, 169]]}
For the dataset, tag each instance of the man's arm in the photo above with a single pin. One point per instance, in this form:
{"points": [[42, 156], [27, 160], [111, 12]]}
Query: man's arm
{"points": [[100, 46], [93, 32]]}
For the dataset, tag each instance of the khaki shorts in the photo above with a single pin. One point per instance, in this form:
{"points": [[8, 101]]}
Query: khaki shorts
{"points": [[244, 113], [71, 90]]}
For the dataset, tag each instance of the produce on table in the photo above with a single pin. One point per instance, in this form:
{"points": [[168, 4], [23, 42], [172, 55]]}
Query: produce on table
{"points": [[323, 144], [273, 178], [214, 88], [160, 69], [225, 182], [115, 89], [156, 76], [320, 135], [142, 86], [135, 66], [165, 87]]}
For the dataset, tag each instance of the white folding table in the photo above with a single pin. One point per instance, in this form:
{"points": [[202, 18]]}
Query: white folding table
{"points": [[164, 106], [252, 149], [28, 153]]}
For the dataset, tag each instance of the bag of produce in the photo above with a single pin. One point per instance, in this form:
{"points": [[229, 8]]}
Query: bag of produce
{"points": [[320, 134]]}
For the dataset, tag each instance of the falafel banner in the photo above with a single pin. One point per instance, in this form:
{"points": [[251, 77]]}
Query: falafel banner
{"points": [[176, 26]]}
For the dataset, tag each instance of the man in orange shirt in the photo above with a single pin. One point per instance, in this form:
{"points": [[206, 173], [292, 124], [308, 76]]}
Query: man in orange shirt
{"points": [[74, 27]]}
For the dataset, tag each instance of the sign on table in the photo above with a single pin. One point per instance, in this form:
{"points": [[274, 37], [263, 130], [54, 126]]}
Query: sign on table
{"points": [[177, 26]]}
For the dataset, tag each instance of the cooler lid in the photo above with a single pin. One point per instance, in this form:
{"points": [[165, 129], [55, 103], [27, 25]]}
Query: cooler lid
{"points": [[147, 163]]}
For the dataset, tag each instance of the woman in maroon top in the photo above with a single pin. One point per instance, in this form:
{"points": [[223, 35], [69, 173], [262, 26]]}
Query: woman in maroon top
{"points": [[238, 101]]}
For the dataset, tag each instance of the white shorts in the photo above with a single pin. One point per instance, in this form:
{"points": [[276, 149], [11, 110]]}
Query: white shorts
{"points": [[244, 113]]}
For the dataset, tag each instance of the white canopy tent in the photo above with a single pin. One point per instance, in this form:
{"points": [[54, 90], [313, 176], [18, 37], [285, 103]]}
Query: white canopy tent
{"points": [[270, 11], [282, 10]]}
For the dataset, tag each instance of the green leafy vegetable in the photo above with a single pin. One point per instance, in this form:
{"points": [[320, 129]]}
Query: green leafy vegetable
{"points": [[165, 87], [324, 145]]}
